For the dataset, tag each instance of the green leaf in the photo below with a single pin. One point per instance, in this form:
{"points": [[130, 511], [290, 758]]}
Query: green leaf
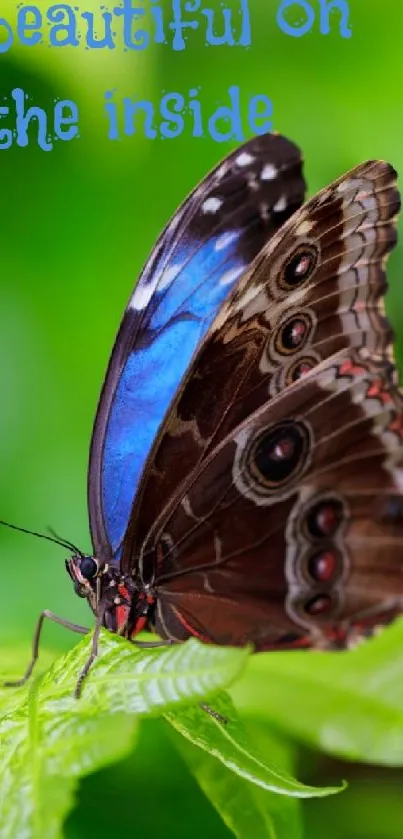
{"points": [[229, 743], [245, 808], [141, 681], [41, 760], [48, 739], [347, 703]]}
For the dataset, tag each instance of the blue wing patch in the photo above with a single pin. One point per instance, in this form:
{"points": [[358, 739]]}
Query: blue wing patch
{"points": [[208, 244]]}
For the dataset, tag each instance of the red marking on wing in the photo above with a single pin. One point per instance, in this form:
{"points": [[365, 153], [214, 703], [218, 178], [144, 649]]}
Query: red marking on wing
{"points": [[348, 368], [377, 391], [190, 628]]}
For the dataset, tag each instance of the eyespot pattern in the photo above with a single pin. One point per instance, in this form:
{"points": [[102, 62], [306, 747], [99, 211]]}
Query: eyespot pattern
{"points": [[324, 518], [319, 565], [293, 334], [279, 453], [322, 566], [299, 369], [299, 266], [269, 461]]}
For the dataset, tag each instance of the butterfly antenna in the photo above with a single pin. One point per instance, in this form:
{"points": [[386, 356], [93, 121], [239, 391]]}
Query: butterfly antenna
{"points": [[64, 544]]}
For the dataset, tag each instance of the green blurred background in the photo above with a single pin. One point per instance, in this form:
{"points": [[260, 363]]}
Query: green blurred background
{"points": [[77, 224]]}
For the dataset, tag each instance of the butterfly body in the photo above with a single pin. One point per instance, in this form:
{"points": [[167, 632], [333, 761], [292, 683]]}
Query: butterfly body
{"points": [[246, 470]]}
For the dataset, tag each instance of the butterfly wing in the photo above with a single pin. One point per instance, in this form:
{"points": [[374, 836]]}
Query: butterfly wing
{"points": [[210, 241], [288, 522], [293, 526], [313, 290]]}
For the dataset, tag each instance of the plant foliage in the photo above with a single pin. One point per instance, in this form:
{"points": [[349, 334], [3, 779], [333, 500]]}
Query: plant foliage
{"points": [[49, 739]]}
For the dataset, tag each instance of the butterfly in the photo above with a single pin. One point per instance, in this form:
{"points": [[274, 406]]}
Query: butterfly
{"points": [[245, 477]]}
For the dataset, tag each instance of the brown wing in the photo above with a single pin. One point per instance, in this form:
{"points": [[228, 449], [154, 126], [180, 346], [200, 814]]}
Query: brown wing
{"points": [[293, 525], [315, 288]]}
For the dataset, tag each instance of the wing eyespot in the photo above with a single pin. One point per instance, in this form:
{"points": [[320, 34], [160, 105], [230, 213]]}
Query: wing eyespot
{"points": [[324, 519], [293, 334], [315, 606], [299, 266], [299, 368], [322, 566], [278, 454]]}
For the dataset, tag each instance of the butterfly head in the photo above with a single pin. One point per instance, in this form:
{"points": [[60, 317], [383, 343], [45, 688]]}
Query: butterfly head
{"points": [[85, 572], [89, 576]]}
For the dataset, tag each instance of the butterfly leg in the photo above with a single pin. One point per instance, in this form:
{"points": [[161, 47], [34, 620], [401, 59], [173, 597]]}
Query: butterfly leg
{"points": [[93, 654], [213, 713], [82, 630]]}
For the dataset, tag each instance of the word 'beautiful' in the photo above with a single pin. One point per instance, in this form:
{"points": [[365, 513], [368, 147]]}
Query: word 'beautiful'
{"points": [[137, 27]]}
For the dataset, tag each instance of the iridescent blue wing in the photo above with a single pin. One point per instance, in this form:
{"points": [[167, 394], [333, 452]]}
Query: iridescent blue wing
{"points": [[205, 248]]}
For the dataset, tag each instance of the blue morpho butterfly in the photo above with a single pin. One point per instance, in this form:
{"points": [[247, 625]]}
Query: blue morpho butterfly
{"points": [[245, 479]]}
